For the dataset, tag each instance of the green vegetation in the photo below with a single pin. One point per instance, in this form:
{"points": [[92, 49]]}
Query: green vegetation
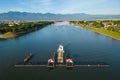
{"points": [[19, 28], [109, 28]]}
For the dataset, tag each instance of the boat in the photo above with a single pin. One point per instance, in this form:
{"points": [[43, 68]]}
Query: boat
{"points": [[69, 63], [60, 54], [51, 62], [28, 57]]}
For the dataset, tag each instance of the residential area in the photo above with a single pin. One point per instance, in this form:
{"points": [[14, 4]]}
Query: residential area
{"points": [[112, 25]]}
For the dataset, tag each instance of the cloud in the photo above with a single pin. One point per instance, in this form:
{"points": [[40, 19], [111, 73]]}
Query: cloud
{"points": [[81, 6], [40, 2], [46, 2], [36, 5], [36, 2], [63, 6]]}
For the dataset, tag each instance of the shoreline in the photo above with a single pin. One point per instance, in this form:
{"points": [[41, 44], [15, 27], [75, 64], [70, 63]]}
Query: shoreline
{"points": [[105, 34], [93, 29], [15, 34], [12, 35], [8, 35]]}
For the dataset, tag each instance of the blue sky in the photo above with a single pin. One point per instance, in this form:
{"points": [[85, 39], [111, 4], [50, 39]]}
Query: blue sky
{"points": [[62, 6]]}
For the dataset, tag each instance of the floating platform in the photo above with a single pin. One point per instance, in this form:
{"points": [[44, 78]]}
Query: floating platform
{"points": [[76, 64], [23, 64]]}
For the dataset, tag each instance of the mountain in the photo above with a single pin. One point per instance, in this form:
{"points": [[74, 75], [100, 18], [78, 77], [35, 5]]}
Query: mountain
{"points": [[50, 16]]}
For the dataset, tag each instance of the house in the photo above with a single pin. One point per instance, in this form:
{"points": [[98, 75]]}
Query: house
{"points": [[118, 30], [10, 24], [108, 24]]}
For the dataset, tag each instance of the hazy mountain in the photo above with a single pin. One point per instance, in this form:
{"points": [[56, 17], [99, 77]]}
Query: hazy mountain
{"points": [[49, 16]]}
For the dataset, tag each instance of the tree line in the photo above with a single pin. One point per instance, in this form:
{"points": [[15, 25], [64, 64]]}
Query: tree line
{"points": [[5, 26]]}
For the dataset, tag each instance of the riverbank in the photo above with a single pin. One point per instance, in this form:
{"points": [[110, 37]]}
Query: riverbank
{"points": [[8, 35], [112, 34], [21, 29]]}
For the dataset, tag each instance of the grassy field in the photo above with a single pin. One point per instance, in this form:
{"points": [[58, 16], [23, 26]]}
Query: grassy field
{"points": [[112, 34]]}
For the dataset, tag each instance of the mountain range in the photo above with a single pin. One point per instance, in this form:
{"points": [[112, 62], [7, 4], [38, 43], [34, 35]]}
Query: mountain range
{"points": [[14, 15]]}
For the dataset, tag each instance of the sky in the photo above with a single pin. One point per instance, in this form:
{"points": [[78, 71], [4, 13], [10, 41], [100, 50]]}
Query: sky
{"points": [[62, 6]]}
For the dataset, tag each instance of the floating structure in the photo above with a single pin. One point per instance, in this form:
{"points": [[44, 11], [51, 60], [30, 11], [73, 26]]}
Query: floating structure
{"points": [[44, 64], [60, 54], [51, 62], [58, 61], [69, 63]]}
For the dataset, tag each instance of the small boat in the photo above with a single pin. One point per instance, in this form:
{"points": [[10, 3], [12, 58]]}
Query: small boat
{"points": [[28, 57], [51, 62], [69, 62]]}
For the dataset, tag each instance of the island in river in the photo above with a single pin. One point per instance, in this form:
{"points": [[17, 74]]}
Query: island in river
{"points": [[14, 29], [109, 28]]}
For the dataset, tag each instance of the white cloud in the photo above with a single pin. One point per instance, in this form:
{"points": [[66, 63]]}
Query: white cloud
{"points": [[39, 2], [65, 6], [46, 2], [36, 5], [80, 6]]}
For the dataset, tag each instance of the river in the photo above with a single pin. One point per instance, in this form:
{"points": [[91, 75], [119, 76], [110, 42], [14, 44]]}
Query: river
{"points": [[81, 44]]}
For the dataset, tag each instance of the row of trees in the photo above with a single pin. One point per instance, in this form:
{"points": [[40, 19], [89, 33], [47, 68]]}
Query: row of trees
{"points": [[4, 27]]}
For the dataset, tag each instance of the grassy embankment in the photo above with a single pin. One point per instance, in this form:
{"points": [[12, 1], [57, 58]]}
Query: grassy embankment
{"points": [[109, 33], [112, 34]]}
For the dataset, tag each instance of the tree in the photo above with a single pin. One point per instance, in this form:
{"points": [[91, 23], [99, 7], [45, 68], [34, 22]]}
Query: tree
{"points": [[99, 25]]}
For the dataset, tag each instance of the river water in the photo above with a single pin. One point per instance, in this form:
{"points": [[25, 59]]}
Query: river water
{"points": [[80, 44]]}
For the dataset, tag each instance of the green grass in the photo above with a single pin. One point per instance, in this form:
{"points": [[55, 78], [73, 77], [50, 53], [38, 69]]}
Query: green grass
{"points": [[115, 35]]}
